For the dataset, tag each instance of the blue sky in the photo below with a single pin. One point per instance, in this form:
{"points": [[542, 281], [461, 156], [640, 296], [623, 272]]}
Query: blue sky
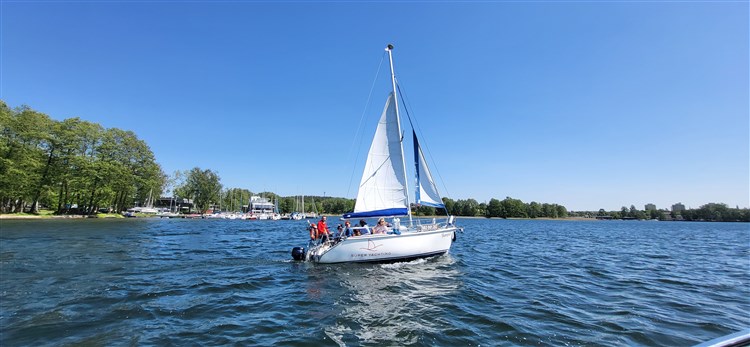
{"points": [[586, 104]]}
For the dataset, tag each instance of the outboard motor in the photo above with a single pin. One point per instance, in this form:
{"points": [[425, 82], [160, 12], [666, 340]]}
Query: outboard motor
{"points": [[298, 253]]}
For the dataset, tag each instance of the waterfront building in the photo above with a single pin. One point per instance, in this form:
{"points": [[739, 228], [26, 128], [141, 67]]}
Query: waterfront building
{"points": [[260, 205]]}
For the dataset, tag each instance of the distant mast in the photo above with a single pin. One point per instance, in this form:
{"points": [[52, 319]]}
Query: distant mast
{"points": [[389, 49]]}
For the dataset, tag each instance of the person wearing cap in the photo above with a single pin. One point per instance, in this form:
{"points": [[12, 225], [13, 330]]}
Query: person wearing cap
{"points": [[381, 227]]}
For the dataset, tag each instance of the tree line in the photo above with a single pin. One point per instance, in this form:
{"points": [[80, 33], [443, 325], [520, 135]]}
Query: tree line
{"points": [[715, 212], [79, 167], [506, 208], [71, 166], [204, 187], [711, 212]]}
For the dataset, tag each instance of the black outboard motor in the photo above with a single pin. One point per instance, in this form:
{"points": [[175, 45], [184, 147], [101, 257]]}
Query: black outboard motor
{"points": [[298, 253]]}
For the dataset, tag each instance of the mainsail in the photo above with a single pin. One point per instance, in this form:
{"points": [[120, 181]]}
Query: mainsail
{"points": [[426, 193], [382, 191]]}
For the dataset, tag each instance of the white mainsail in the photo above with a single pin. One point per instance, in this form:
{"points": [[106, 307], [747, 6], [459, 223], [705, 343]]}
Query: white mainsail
{"points": [[382, 191], [427, 193]]}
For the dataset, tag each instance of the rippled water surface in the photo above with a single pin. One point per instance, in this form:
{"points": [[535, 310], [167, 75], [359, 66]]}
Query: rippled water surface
{"points": [[520, 282]]}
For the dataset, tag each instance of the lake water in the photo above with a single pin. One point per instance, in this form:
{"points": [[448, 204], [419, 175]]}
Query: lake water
{"points": [[505, 282]]}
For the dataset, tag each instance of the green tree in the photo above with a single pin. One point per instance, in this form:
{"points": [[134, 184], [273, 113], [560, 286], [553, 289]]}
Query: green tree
{"points": [[654, 214], [424, 211], [494, 208], [123, 167], [287, 204], [482, 209], [449, 206], [70, 162], [469, 207], [549, 211], [233, 199], [26, 132], [535, 210], [203, 186], [514, 208]]}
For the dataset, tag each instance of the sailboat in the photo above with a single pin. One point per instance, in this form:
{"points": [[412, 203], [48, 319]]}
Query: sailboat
{"points": [[149, 205], [384, 193], [297, 215]]}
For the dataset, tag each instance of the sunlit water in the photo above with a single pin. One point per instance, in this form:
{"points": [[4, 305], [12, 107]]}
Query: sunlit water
{"points": [[218, 282]]}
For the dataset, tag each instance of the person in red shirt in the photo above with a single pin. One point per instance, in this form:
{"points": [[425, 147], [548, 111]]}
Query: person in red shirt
{"points": [[323, 233]]}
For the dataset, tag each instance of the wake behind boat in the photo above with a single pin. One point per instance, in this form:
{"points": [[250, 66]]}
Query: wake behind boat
{"points": [[384, 193]]}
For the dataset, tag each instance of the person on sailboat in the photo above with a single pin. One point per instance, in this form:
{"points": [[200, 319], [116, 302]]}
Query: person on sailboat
{"points": [[348, 232], [313, 232], [381, 228], [363, 229], [323, 232], [342, 232], [339, 233], [355, 231]]}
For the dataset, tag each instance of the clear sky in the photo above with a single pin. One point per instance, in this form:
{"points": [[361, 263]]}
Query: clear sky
{"points": [[586, 104]]}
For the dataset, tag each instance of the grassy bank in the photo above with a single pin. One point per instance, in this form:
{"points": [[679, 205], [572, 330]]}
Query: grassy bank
{"points": [[49, 214]]}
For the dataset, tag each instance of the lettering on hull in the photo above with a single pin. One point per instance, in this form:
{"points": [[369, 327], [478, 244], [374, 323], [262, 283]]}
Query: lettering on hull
{"points": [[370, 255]]}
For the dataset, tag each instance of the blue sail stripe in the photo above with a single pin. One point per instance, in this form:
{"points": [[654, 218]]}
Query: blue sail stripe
{"points": [[416, 163]]}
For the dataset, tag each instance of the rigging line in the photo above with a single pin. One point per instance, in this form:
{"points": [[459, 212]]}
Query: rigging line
{"points": [[419, 129], [359, 127], [375, 172]]}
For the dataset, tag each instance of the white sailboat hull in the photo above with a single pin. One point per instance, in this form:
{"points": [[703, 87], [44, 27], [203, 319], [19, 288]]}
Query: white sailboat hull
{"points": [[382, 247]]}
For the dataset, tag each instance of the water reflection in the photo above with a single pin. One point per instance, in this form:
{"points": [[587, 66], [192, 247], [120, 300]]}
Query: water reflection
{"points": [[393, 303]]}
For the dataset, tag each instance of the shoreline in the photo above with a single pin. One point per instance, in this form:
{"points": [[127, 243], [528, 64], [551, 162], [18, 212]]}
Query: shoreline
{"points": [[13, 216]]}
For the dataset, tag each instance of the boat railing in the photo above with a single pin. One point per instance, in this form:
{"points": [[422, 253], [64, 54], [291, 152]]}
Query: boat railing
{"points": [[434, 221], [318, 242], [737, 339]]}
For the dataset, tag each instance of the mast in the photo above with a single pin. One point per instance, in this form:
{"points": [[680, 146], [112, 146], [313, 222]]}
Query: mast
{"points": [[398, 121]]}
